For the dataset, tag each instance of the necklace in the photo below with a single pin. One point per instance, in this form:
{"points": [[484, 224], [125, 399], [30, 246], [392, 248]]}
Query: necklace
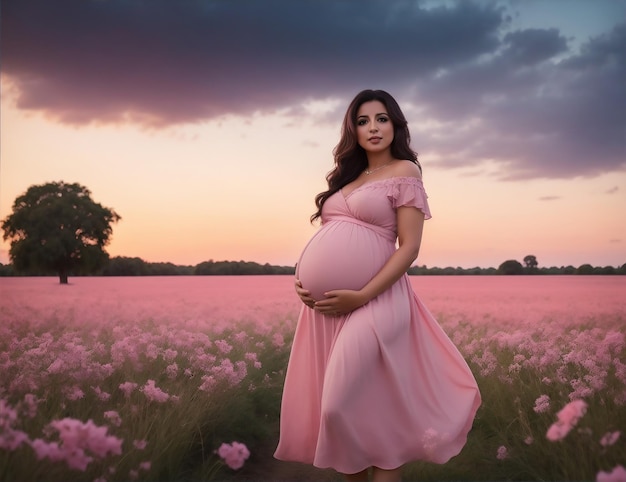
{"points": [[370, 171]]}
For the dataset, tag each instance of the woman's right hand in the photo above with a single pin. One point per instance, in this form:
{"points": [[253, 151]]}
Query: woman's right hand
{"points": [[305, 295]]}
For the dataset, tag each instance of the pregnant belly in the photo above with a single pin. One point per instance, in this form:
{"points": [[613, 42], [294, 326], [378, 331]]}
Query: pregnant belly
{"points": [[341, 255]]}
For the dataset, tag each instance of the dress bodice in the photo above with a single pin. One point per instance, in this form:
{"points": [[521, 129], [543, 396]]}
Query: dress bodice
{"points": [[374, 204]]}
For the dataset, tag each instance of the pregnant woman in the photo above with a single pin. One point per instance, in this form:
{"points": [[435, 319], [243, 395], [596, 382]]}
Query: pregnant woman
{"points": [[373, 382]]}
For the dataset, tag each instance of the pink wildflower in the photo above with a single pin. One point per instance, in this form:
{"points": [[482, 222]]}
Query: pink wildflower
{"points": [[609, 438], [106, 370], [529, 440], [48, 450], [572, 412], [172, 371], [227, 371], [74, 432], [278, 340], [152, 351], [542, 404], [145, 465], [223, 346], [140, 444], [515, 368], [253, 358], [127, 388], [153, 393], [557, 431], [204, 361], [234, 454], [581, 390], [169, 354], [76, 438], [618, 474], [57, 366], [12, 439], [567, 417], [113, 417], [73, 393], [503, 453], [8, 415], [103, 396], [208, 382]]}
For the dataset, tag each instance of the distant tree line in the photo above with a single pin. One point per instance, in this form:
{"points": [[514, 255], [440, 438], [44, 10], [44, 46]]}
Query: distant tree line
{"points": [[127, 266], [123, 266], [514, 267], [531, 266], [240, 267]]}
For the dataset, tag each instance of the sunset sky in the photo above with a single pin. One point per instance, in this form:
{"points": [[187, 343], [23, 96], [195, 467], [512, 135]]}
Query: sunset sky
{"points": [[209, 125]]}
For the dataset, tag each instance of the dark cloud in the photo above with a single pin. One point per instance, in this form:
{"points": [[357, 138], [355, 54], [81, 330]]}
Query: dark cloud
{"points": [[613, 190], [535, 107], [164, 61], [522, 99], [549, 198], [532, 46]]}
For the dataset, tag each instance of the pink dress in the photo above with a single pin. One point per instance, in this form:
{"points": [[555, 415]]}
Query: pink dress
{"points": [[383, 385]]}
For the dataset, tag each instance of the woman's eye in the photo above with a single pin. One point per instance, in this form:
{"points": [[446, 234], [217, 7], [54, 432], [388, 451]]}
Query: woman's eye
{"points": [[383, 119], [361, 122]]}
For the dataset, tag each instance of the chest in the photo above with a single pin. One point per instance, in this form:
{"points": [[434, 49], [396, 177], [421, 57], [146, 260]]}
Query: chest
{"points": [[369, 204]]}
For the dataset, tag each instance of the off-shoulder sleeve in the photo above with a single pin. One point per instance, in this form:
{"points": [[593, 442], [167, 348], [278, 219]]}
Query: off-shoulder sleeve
{"points": [[409, 191]]}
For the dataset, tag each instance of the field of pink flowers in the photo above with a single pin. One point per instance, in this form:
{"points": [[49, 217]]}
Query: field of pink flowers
{"points": [[179, 378]]}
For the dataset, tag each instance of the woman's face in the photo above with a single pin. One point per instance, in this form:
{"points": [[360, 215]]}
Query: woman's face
{"points": [[373, 127]]}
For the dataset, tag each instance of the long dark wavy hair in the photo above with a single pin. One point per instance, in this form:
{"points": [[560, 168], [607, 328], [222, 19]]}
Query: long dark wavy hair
{"points": [[350, 157]]}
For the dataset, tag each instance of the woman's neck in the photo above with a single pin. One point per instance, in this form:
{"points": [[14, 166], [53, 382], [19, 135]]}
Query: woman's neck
{"points": [[377, 159]]}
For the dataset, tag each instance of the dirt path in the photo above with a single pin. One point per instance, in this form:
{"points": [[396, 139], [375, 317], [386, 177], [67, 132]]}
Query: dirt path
{"points": [[264, 467]]}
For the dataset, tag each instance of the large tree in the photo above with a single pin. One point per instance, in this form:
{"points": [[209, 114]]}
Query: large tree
{"points": [[511, 266], [57, 227], [530, 261]]}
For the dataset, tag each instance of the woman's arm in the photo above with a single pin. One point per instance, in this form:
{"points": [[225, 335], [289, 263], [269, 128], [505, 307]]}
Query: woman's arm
{"points": [[410, 227]]}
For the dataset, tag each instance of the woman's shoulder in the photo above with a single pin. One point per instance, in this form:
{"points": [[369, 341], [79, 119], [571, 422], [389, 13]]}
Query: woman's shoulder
{"points": [[406, 168]]}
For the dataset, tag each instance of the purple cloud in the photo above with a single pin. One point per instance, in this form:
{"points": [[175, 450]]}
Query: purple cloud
{"points": [[520, 98]]}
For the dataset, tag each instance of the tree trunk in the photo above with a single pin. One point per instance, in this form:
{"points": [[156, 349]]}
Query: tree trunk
{"points": [[63, 276]]}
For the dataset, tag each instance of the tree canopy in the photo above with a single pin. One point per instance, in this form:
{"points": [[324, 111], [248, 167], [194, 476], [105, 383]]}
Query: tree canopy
{"points": [[57, 227], [511, 266], [530, 261]]}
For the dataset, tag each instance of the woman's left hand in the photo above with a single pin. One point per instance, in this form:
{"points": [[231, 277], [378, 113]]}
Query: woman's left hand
{"points": [[340, 302]]}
